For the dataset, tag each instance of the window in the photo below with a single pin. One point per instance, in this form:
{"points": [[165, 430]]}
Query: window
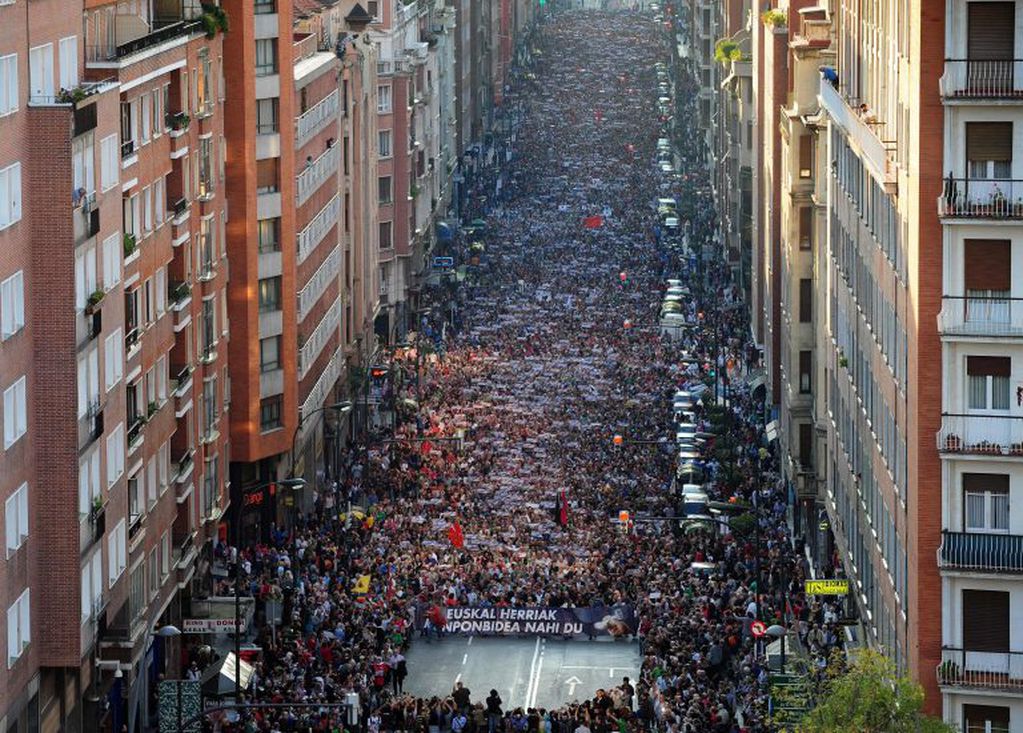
{"points": [[19, 628], [266, 116], [85, 275], [113, 359], [209, 405], [269, 235], [165, 554], [89, 489], [137, 591], [88, 383], [806, 227], [92, 586], [267, 175], [10, 195], [989, 149], [40, 72], [985, 618], [806, 156], [160, 294], [270, 354], [986, 498], [129, 127], [68, 62], [384, 138], [113, 247], [264, 7], [154, 572], [805, 368], [15, 412], [988, 382], [209, 326], [985, 718], [269, 294], [152, 488], [16, 519], [385, 235], [147, 210], [805, 300], [12, 305], [115, 455], [384, 99], [8, 83], [136, 498], [373, 8], [384, 189], [117, 552], [160, 200], [266, 56], [109, 162], [270, 413]]}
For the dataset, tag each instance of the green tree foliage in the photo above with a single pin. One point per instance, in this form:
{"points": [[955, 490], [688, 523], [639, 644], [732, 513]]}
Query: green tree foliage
{"points": [[870, 697]]}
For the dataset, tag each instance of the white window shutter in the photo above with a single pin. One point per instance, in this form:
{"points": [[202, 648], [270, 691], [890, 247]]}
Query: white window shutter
{"points": [[25, 618], [11, 523], [13, 647]]}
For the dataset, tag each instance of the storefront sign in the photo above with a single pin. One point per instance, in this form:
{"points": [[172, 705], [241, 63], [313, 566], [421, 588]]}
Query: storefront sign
{"points": [[831, 587], [208, 626]]}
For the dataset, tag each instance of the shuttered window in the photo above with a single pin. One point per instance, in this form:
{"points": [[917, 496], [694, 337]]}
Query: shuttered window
{"points": [[986, 502], [806, 227], [985, 719], [806, 156], [990, 30], [988, 366], [988, 265], [985, 621], [805, 300], [989, 141]]}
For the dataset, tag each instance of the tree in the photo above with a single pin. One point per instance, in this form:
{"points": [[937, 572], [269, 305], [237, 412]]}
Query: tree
{"points": [[871, 698]]}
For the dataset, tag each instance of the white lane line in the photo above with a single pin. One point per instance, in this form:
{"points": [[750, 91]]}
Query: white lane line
{"points": [[458, 678], [465, 658], [469, 643], [532, 672], [531, 700]]}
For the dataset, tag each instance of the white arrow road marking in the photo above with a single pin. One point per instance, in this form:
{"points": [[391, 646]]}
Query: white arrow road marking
{"points": [[572, 682]]}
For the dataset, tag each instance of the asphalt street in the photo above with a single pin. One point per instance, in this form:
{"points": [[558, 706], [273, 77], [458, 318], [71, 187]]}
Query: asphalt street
{"points": [[526, 672]]}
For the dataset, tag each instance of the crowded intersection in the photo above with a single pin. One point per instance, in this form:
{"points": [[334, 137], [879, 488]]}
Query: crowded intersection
{"points": [[586, 370]]}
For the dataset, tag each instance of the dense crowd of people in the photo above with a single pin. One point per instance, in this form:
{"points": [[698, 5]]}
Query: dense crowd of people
{"points": [[512, 442]]}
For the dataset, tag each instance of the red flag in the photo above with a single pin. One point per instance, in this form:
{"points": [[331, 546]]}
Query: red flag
{"points": [[562, 509], [593, 222], [456, 536]]}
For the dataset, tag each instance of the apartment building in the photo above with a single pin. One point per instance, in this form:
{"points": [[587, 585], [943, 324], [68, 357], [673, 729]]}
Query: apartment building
{"points": [[980, 440], [97, 138], [862, 362], [412, 179]]}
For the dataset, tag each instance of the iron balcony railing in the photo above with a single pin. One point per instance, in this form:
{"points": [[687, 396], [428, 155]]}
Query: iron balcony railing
{"points": [[983, 79], [981, 552], [168, 32], [984, 316], [986, 670], [981, 198], [992, 434]]}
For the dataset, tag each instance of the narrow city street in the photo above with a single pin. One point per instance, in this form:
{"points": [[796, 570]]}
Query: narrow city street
{"points": [[524, 528]]}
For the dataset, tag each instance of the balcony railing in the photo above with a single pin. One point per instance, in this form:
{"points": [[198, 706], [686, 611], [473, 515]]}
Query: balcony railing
{"points": [[981, 316], [111, 52], [981, 198], [987, 670], [316, 117], [992, 434], [315, 173], [981, 552], [983, 79]]}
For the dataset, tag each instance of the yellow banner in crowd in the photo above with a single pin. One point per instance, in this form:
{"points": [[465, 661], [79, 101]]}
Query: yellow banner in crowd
{"points": [[830, 587], [361, 586]]}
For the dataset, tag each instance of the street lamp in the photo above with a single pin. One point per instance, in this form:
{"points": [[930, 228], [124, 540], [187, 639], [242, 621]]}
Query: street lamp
{"points": [[295, 484], [342, 408]]}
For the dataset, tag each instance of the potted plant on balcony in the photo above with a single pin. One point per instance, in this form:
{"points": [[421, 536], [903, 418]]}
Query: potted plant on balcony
{"points": [[94, 300], [953, 443], [775, 18], [1016, 449], [130, 244], [179, 121], [948, 670], [153, 407], [97, 507], [214, 19]]}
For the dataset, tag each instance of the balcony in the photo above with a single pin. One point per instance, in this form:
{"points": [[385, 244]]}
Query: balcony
{"points": [[862, 131], [981, 198], [985, 435], [315, 174], [981, 552], [982, 79], [981, 670], [316, 118], [90, 427], [135, 436], [984, 317], [144, 38]]}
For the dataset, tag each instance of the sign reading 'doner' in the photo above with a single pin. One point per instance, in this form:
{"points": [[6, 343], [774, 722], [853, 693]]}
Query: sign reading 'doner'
{"points": [[597, 620]]}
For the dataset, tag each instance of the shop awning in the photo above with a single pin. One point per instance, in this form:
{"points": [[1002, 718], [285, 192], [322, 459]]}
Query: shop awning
{"points": [[218, 679]]}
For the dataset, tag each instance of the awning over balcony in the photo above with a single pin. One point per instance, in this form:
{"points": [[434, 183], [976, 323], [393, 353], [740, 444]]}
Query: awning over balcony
{"points": [[980, 552]]}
